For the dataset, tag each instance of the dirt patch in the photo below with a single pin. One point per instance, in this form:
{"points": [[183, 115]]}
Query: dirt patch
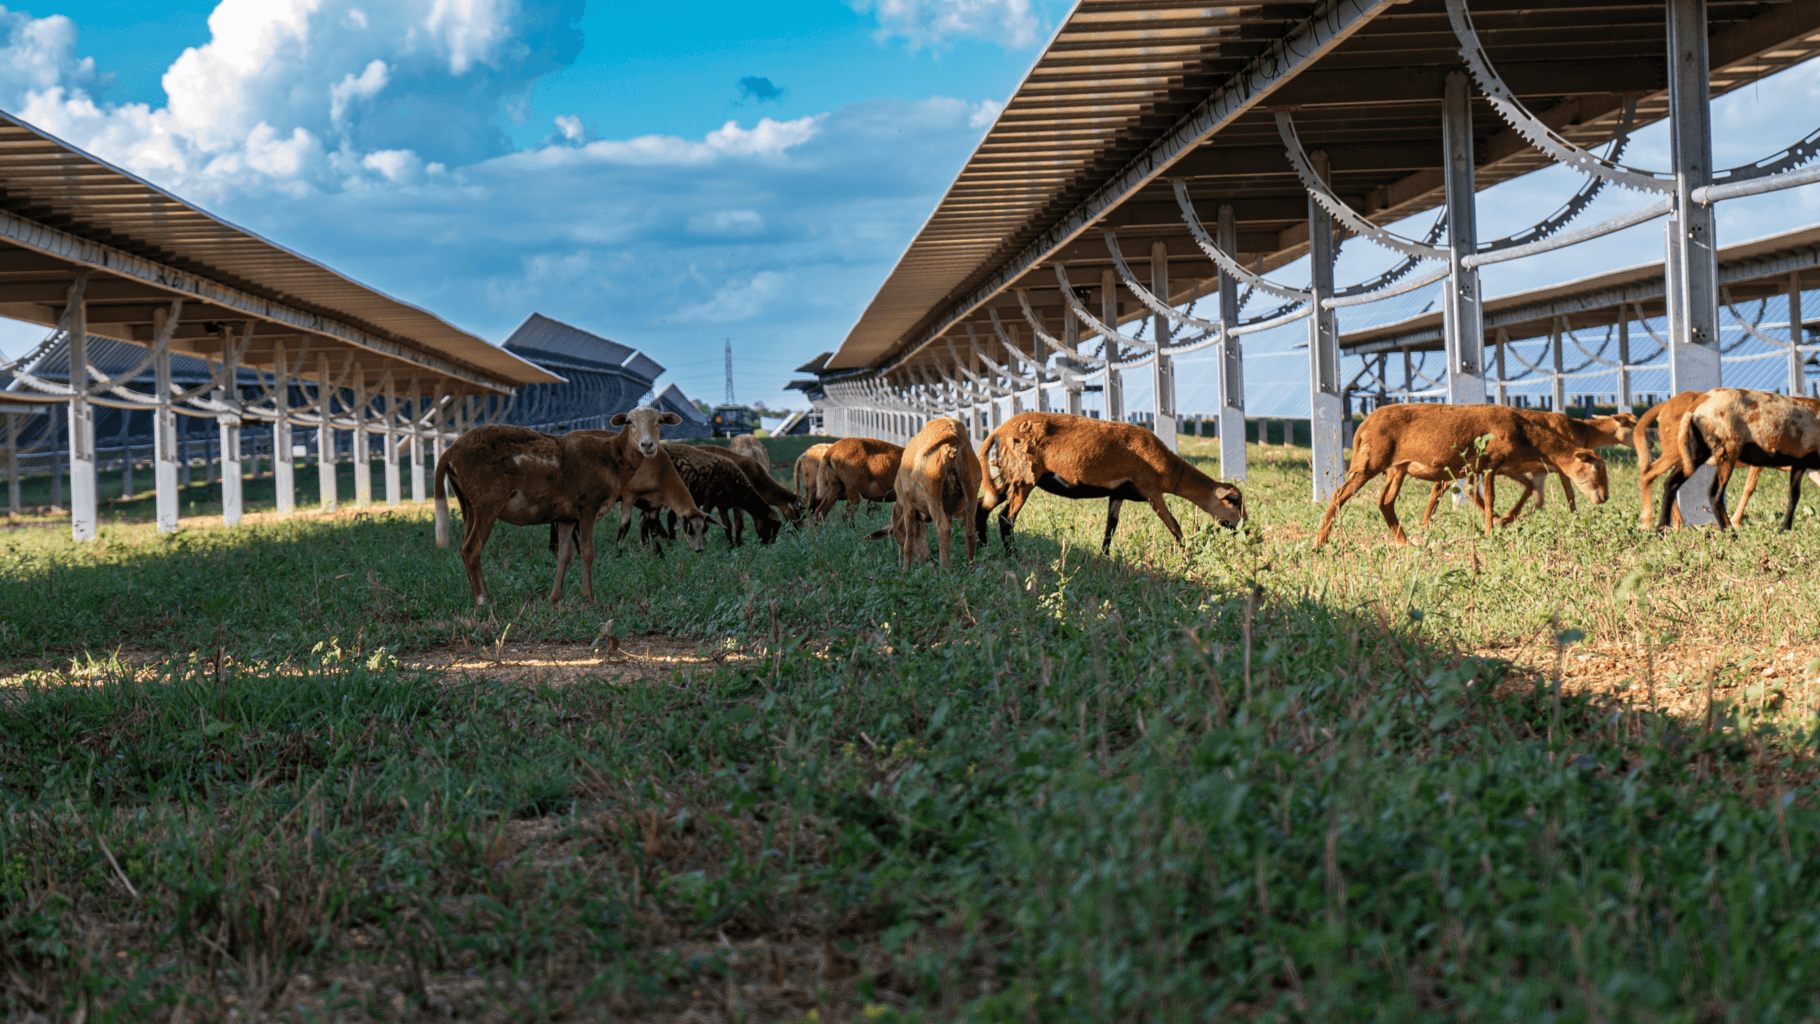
{"points": [[633, 659], [1777, 682]]}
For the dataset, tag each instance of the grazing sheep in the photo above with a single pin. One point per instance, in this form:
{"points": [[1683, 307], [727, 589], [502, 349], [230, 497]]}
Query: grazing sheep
{"points": [[717, 480], [1081, 457], [1431, 440], [938, 481], [1730, 427], [857, 468], [807, 472], [758, 474], [752, 448], [526, 478], [1594, 432], [1667, 418]]}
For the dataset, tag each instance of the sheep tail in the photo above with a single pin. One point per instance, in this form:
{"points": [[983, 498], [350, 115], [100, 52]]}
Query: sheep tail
{"points": [[1639, 434], [442, 503], [989, 497], [1688, 429]]}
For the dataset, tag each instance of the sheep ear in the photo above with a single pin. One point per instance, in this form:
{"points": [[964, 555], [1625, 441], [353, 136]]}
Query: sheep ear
{"points": [[618, 420], [670, 418]]}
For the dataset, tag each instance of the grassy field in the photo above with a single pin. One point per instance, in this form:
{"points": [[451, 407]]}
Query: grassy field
{"points": [[1563, 772]]}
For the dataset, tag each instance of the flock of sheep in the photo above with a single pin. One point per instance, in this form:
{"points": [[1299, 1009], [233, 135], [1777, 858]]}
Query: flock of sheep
{"points": [[1726, 427], [568, 482]]}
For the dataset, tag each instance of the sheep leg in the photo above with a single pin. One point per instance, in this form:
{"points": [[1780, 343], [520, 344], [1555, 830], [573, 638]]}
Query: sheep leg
{"points": [[1162, 512], [1112, 523], [585, 530], [1538, 482], [1529, 488], [1750, 488], [1663, 464], [1722, 476], [563, 552], [1007, 516], [1491, 497], [1387, 504], [1349, 487], [474, 538], [1670, 489], [944, 533], [973, 517], [1434, 500], [1794, 497], [1567, 488]]}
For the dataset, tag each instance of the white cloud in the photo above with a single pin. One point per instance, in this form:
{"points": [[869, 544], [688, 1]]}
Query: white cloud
{"points": [[739, 300], [1010, 23], [367, 86], [571, 127], [986, 113], [727, 223]]}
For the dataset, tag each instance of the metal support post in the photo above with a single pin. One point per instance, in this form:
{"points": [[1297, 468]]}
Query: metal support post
{"points": [[1797, 376], [1231, 415], [394, 488], [231, 498], [1113, 391], [1464, 319], [416, 442], [57, 447], [1071, 340], [1503, 386], [165, 448], [1323, 352], [13, 505], [1557, 391], [325, 437], [1162, 367], [284, 460], [126, 453], [1692, 246], [83, 511], [363, 441], [1624, 402]]}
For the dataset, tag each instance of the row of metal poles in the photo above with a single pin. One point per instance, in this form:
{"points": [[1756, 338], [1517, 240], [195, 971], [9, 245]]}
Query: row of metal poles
{"points": [[1691, 273], [415, 426]]}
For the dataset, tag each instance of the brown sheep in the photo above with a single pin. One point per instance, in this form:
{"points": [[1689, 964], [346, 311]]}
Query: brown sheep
{"points": [[857, 468], [1404, 440], [1730, 427], [758, 473], [526, 478], [1081, 457], [717, 479], [1593, 432], [938, 481], [752, 448], [1667, 417], [806, 474]]}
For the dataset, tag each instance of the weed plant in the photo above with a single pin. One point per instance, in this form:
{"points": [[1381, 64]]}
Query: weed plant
{"points": [[1236, 780]]}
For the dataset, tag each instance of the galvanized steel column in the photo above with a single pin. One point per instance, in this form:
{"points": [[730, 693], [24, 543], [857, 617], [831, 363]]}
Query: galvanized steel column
{"points": [[1324, 406], [164, 431], [325, 437], [362, 441], [1113, 391], [231, 497], [1623, 357], [284, 465], [1797, 376], [417, 475], [394, 491], [1162, 368], [125, 435], [13, 505], [1071, 340], [1557, 387], [1230, 419], [1693, 250], [83, 496], [1464, 319]]}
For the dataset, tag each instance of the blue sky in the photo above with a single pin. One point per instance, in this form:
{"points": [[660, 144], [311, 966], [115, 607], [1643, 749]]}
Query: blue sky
{"points": [[665, 175]]}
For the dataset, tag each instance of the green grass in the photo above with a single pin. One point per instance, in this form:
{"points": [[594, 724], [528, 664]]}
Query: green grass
{"points": [[1236, 780]]}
